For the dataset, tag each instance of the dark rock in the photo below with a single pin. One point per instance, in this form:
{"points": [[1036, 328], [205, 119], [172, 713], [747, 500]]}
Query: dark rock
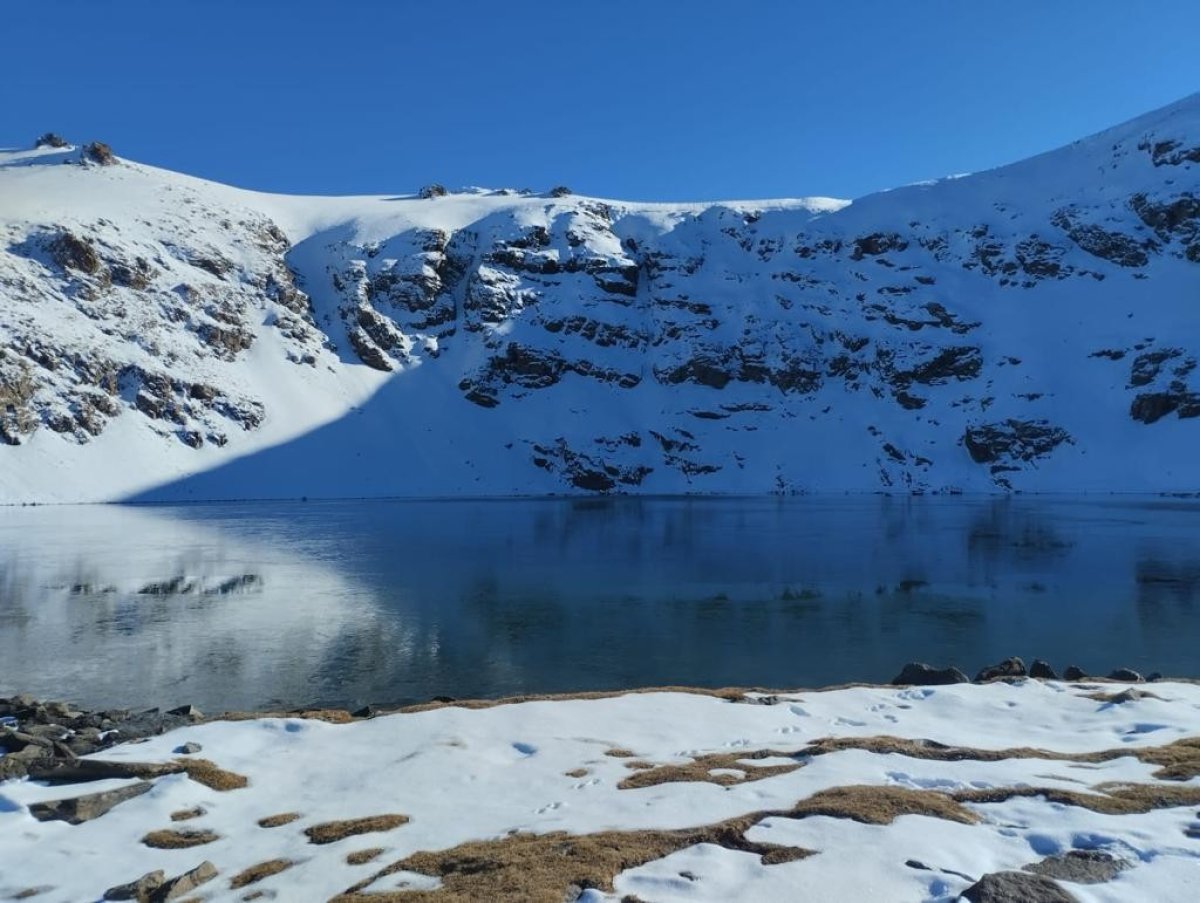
{"points": [[1016, 887], [140, 890], [919, 674], [1080, 867], [185, 883], [560, 191], [188, 749], [1074, 673], [1013, 440], [1128, 675], [73, 253], [77, 771], [99, 152], [77, 810], [367, 711], [50, 139], [441, 699], [433, 190], [186, 711], [1154, 676], [1042, 670], [1010, 667]]}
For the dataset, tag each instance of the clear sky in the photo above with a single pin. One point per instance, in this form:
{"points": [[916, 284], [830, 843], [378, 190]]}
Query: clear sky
{"points": [[650, 100]]}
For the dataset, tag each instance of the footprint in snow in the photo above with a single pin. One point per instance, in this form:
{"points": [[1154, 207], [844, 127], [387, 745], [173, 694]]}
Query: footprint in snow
{"points": [[583, 785], [849, 722], [525, 749], [799, 711], [549, 807], [789, 729]]}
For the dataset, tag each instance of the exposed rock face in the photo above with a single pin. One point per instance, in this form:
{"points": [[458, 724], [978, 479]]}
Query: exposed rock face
{"points": [[1005, 331]]}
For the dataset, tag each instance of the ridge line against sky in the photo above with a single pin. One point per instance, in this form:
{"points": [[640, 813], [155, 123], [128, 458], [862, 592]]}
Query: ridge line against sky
{"points": [[643, 102]]}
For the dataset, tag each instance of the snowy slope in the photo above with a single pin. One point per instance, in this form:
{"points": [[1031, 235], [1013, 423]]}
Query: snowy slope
{"points": [[1032, 327], [472, 785]]}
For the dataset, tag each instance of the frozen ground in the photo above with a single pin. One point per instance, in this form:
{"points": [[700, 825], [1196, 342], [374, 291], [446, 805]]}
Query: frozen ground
{"points": [[915, 828]]}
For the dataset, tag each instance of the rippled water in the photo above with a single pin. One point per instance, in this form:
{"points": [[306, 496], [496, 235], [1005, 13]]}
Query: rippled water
{"points": [[342, 603]]}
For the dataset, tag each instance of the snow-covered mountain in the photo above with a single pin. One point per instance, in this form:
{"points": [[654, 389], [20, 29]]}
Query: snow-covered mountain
{"points": [[1033, 327]]}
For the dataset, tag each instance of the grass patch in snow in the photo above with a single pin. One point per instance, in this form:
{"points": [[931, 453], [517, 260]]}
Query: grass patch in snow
{"points": [[576, 773], [169, 839], [188, 814], [362, 857], [543, 868], [1178, 761], [211, 775], [1108, 799], [259, 872], [881, 805], [701, 768], [278, 821], [333, 831], [618, 752]]}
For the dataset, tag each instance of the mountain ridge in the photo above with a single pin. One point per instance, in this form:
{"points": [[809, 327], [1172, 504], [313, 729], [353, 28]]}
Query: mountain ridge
{"points": [[1031, 327]]}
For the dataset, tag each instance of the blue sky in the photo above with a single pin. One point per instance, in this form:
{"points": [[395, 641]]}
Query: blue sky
{"points": [[639, 100]]}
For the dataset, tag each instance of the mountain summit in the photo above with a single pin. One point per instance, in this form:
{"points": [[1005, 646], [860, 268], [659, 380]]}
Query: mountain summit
{"points": [[1034, 327]]}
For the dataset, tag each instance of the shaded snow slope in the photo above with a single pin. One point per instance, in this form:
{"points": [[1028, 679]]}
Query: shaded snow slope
{"points": [[1033, 327]]}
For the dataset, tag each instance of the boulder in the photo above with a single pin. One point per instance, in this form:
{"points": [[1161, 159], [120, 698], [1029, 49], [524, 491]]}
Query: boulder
{"points": [[1042, 670], [76, 810], [1016, 887], [1074, 673], [140, 890], [1010, 667], [1079, 866], [185, 883], [1126, 675], [50, 139], [919, 674], [188, 749], [99, 152]]}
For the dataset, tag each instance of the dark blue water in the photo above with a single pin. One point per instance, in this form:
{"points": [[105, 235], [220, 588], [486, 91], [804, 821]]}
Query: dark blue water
{"points": [[342, 603]]}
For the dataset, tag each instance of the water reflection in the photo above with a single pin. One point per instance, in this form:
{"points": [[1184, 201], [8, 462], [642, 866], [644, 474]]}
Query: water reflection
{"points": [[342, 603]]}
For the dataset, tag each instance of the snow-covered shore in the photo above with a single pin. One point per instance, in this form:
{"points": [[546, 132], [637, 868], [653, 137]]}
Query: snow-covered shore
{"points": [[859, 793]]}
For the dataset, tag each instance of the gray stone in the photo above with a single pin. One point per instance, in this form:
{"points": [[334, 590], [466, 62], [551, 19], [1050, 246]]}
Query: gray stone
{"points": [[1042, 670], [919, 674], [1128, 675], [141, 889], [1074, 673], [1010, 667], [185, 883], [1080, 866], [186, 711], [1016, 887], [188, 749], [76, 810]]}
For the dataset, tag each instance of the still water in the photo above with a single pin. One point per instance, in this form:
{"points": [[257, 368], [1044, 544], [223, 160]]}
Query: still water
{"points": [[344, 603]]}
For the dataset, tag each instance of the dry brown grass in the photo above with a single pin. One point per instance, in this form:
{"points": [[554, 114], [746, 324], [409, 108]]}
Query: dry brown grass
{"points": [[529, 868], [333, 831], [881, 805], [1109, 799], [188, 814], [259, 872], [700, 770], [168, 839], [619, 752], [211, 775], [278, 821], [1178, 761], [330, 716], [576, 773], [1133, 694], [362, 857], [730, 694]]}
